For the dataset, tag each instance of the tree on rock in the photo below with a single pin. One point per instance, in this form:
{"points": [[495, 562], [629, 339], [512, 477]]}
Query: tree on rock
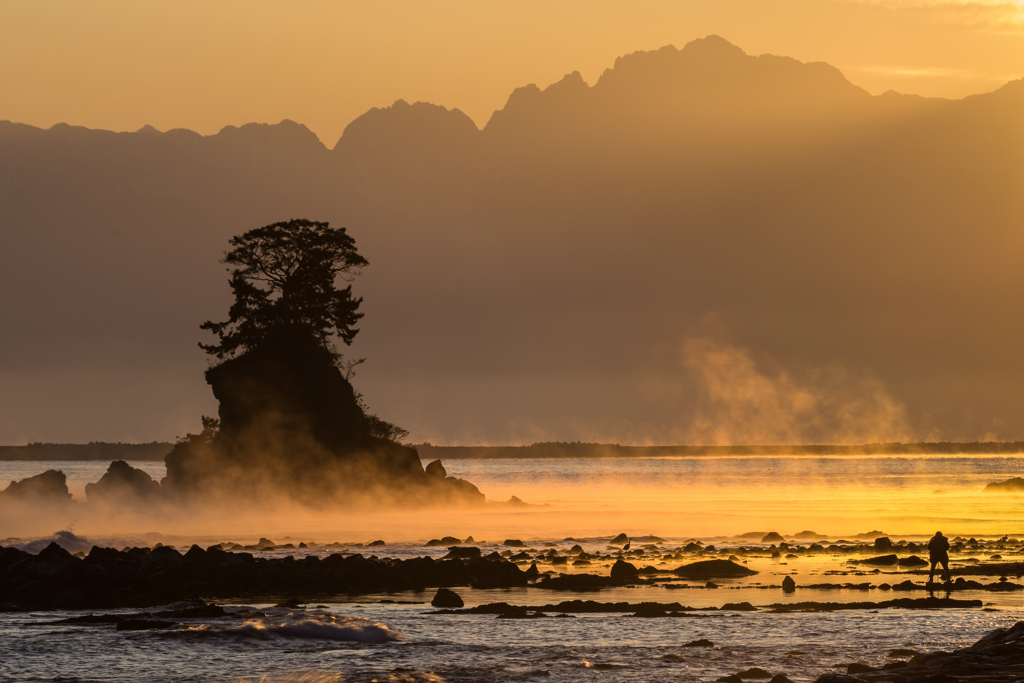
{"points": [[289, 420], [285, 279]]}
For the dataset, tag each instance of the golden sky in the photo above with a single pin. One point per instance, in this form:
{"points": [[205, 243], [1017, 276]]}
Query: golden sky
{"points": [[201, 65]]}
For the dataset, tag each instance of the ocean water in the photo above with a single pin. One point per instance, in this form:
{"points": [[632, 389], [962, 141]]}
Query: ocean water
{"points": [[668, 497], [404, 639]]}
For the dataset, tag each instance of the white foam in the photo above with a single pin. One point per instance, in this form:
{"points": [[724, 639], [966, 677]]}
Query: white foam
{"points": [[307, 625], [68, 540]]}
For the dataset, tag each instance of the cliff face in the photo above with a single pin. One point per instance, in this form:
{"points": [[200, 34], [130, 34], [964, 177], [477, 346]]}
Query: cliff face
{"points": [[291, 424]]}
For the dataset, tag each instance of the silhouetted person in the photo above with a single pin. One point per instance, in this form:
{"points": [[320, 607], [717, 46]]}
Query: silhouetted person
{"points": [[938, 552]]}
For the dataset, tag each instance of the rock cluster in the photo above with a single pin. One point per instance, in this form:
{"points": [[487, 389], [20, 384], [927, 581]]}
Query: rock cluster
{"points": [[996, 658], [142, 577]]}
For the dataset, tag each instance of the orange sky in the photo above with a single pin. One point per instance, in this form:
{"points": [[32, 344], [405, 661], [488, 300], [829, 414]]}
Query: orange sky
{"points": [[201, 65]]}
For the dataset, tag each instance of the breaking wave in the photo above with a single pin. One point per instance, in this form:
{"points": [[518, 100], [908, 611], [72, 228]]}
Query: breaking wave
{"points": [[303, 624]]}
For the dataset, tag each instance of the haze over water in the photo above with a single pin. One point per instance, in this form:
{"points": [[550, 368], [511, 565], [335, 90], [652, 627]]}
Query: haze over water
{"points": [[702, 497]]}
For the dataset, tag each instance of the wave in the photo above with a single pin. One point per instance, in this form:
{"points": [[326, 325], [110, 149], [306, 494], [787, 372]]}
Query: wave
{"points": [[68, 540], [301, 625]]}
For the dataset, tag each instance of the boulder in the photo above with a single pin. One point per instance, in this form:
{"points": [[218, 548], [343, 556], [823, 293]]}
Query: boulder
{"points": [[713, 569], [514, 543], [772, 537], [913, 561], [880, 561], [446, 598], [754, 672], [436, 470], [122, 484], [621, 539], [624, 570], [788, 585], [703, 642], [1014, 485], [50, 486], [883, 544]]}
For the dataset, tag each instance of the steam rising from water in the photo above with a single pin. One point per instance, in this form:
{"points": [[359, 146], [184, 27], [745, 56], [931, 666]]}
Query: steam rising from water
{"points": [[742, 404], [670, 497]]}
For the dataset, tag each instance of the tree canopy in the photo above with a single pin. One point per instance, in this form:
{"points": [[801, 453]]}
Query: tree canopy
{"points": [[285, 277]]}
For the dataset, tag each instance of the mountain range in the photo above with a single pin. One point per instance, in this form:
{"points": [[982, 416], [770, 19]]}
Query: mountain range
{"points": [[702, 247]]}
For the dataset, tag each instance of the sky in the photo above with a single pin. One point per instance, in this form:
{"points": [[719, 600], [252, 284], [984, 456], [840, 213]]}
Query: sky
{"points": [[120, 65], [769, 281]]}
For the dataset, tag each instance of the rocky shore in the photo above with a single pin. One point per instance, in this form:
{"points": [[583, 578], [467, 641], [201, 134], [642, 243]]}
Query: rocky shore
{"points": [[996, 658], [142, 577]]}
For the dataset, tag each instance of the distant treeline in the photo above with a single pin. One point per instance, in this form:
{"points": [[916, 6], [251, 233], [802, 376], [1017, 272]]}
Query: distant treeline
{"points": [[538, 451], [96, 450], [597, 450]]}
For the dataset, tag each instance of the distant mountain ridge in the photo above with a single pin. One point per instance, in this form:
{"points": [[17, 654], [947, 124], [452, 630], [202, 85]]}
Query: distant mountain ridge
{"points": [[534, 279]]}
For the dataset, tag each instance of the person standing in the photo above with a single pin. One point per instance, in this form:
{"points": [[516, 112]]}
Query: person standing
{"points": [[938, 553]]}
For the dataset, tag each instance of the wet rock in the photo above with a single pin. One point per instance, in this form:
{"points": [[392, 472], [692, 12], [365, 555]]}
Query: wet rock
{"points": [[1014, 485], [446, 598], [713, 569], [755, 673], [50, 486], [436, 470], [376, 544], [464, 552], [788, 584], [780, 678], [623, 570], [772, 537], [621, 539], [514, 543], [859, 668], [883, 544], [447, 540], [123, 484], [143, 624], [731, 678], [703, 642], [532, 572], [913, 561], [738, 607], [832, 677], [881, 561]]}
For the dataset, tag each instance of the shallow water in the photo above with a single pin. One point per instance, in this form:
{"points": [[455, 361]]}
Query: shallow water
{"points": [[588, 500], [359, 638], [669, 497]]}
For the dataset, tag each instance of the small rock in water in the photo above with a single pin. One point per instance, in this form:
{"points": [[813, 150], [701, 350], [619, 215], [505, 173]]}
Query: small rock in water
{"points": [[788, 584], [622, 569], [514, 543], [781, 678], [731, 678], [436, 470], [446, 598], [703, 642], [621, 539], [374, 544], [772, 537]]}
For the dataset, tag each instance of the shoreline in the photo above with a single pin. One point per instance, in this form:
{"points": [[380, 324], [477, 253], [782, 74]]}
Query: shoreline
{"points": [[156, 451]]}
